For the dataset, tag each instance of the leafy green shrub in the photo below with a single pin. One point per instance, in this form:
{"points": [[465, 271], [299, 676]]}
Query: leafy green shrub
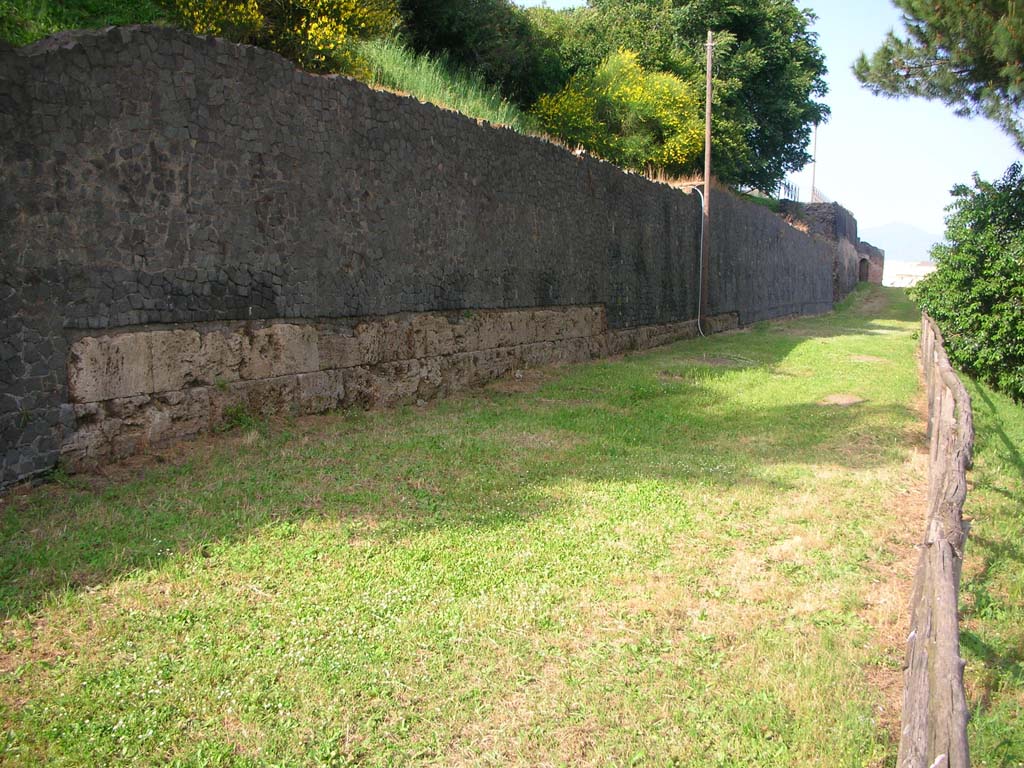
{"points": [[976, 294], [628, 116], [315, 34], [391, 65]]}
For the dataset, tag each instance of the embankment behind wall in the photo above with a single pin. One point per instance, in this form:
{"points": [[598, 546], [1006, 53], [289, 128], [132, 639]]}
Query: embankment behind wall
{"points": [[187, 225]]}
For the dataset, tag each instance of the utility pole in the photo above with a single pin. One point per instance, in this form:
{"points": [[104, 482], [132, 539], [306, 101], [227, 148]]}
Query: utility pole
{"points": [[705, 250]]}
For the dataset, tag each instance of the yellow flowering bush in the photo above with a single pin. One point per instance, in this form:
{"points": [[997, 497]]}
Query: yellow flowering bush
{"points": [[632, 117], [315, 34], [571, 115], [227, 18]]}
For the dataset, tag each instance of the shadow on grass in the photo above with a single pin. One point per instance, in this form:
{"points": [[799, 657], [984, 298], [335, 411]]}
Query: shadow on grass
{"points": [[456, 464], [1007, 666], [995, 731], [994, 636], [1008, 450]]}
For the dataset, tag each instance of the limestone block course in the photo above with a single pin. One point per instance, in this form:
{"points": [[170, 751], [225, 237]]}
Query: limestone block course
{"points": [[188, 380], [105, 368], [278, 350]]}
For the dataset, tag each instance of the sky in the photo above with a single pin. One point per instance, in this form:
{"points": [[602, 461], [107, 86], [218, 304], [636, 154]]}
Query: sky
{"points": [[889, 161]]}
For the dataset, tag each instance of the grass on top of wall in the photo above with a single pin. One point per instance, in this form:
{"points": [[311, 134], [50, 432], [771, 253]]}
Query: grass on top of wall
{"points": [[700, 555], [397, 68], [25, 21], [767, 202]]}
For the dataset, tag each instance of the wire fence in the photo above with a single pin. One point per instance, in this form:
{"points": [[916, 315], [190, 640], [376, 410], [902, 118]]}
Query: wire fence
{"points": [[788, 191], [817, 196]]}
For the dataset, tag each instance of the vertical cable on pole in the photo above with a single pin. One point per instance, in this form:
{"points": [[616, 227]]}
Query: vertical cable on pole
{"points": [[705, 239], [814, 167]]}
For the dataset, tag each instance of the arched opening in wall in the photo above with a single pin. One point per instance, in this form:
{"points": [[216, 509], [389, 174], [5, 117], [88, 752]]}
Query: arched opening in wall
{"points": [[862, 271]]}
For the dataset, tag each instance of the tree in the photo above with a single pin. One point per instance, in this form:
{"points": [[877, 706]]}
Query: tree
{"points": [[967, 55], [772, 74], [976, 293], [769, 70]]}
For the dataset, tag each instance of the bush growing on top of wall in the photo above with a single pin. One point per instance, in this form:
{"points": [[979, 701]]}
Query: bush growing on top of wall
{"points": [[976, 294], [315, 34], [626, 115]]}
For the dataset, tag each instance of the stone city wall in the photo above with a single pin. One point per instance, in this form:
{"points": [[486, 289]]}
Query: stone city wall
{"points": [[837, 225], [188, 225]]}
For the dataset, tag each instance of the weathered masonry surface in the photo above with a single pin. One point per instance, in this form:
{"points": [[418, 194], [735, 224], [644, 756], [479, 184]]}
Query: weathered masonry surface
{"points": [[855, 261], [130, 390], [188, 225]]}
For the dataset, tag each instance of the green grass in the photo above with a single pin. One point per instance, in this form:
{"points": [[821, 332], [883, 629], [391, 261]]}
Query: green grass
{"points": [[680, 557], [25, 21], [992, 588], [395, 67], [767, 202]]}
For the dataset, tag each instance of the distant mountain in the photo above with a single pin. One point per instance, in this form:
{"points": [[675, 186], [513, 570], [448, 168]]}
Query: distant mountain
{"points": [[901, 242]]}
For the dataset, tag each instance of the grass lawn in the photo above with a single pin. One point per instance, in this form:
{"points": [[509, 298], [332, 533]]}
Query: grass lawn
{"points": [[699, 555]]}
